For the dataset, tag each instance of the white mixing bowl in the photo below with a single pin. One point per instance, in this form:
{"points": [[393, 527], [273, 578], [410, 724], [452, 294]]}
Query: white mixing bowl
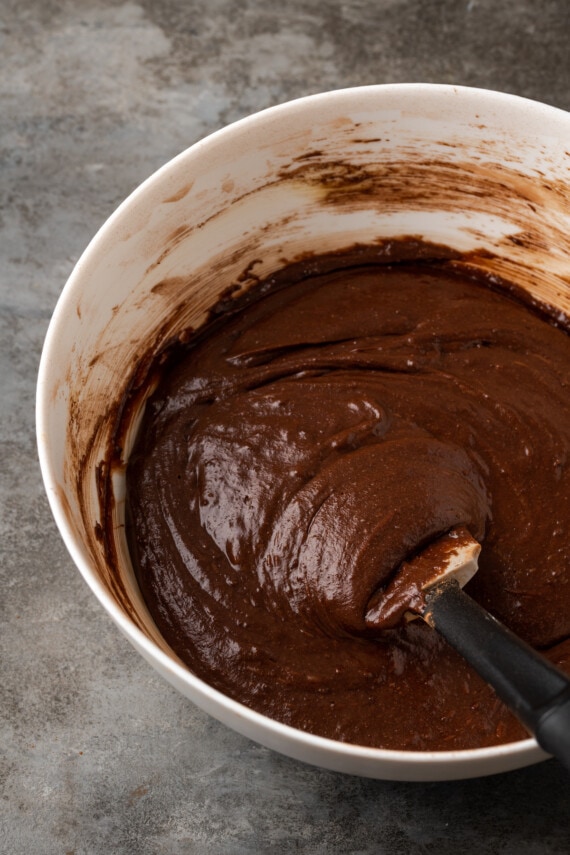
{"points": [[467, 168]]}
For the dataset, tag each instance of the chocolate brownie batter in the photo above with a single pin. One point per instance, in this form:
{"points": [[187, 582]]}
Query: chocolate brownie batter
{"points": [[304, 446]]}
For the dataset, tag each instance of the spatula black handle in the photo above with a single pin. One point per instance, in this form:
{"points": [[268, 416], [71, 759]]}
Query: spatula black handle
{"points": [[532, 687]]}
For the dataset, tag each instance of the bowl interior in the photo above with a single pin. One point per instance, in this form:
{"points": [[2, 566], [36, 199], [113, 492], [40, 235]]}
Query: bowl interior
{"points": [[475, 171]]}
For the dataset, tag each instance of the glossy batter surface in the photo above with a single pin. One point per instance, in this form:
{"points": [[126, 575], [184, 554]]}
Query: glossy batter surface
{"points": [[299, 451]]}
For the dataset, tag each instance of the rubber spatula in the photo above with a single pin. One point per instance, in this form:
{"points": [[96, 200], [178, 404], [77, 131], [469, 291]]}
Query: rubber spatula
{"points": [[535, 690]]}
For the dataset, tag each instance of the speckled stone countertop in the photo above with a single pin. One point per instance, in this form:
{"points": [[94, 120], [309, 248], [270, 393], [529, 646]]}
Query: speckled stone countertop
{"points": [[98, 754]]}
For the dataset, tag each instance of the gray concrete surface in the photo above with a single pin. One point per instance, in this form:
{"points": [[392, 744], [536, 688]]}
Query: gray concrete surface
{"points": [[98, 755]]}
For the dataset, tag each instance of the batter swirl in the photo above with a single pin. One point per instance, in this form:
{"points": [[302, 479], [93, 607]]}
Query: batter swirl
{"points": [[303, 447]]}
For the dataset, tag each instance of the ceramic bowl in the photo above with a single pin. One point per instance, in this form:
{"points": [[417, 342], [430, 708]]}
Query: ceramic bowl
{"points": [[471, 169]]}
